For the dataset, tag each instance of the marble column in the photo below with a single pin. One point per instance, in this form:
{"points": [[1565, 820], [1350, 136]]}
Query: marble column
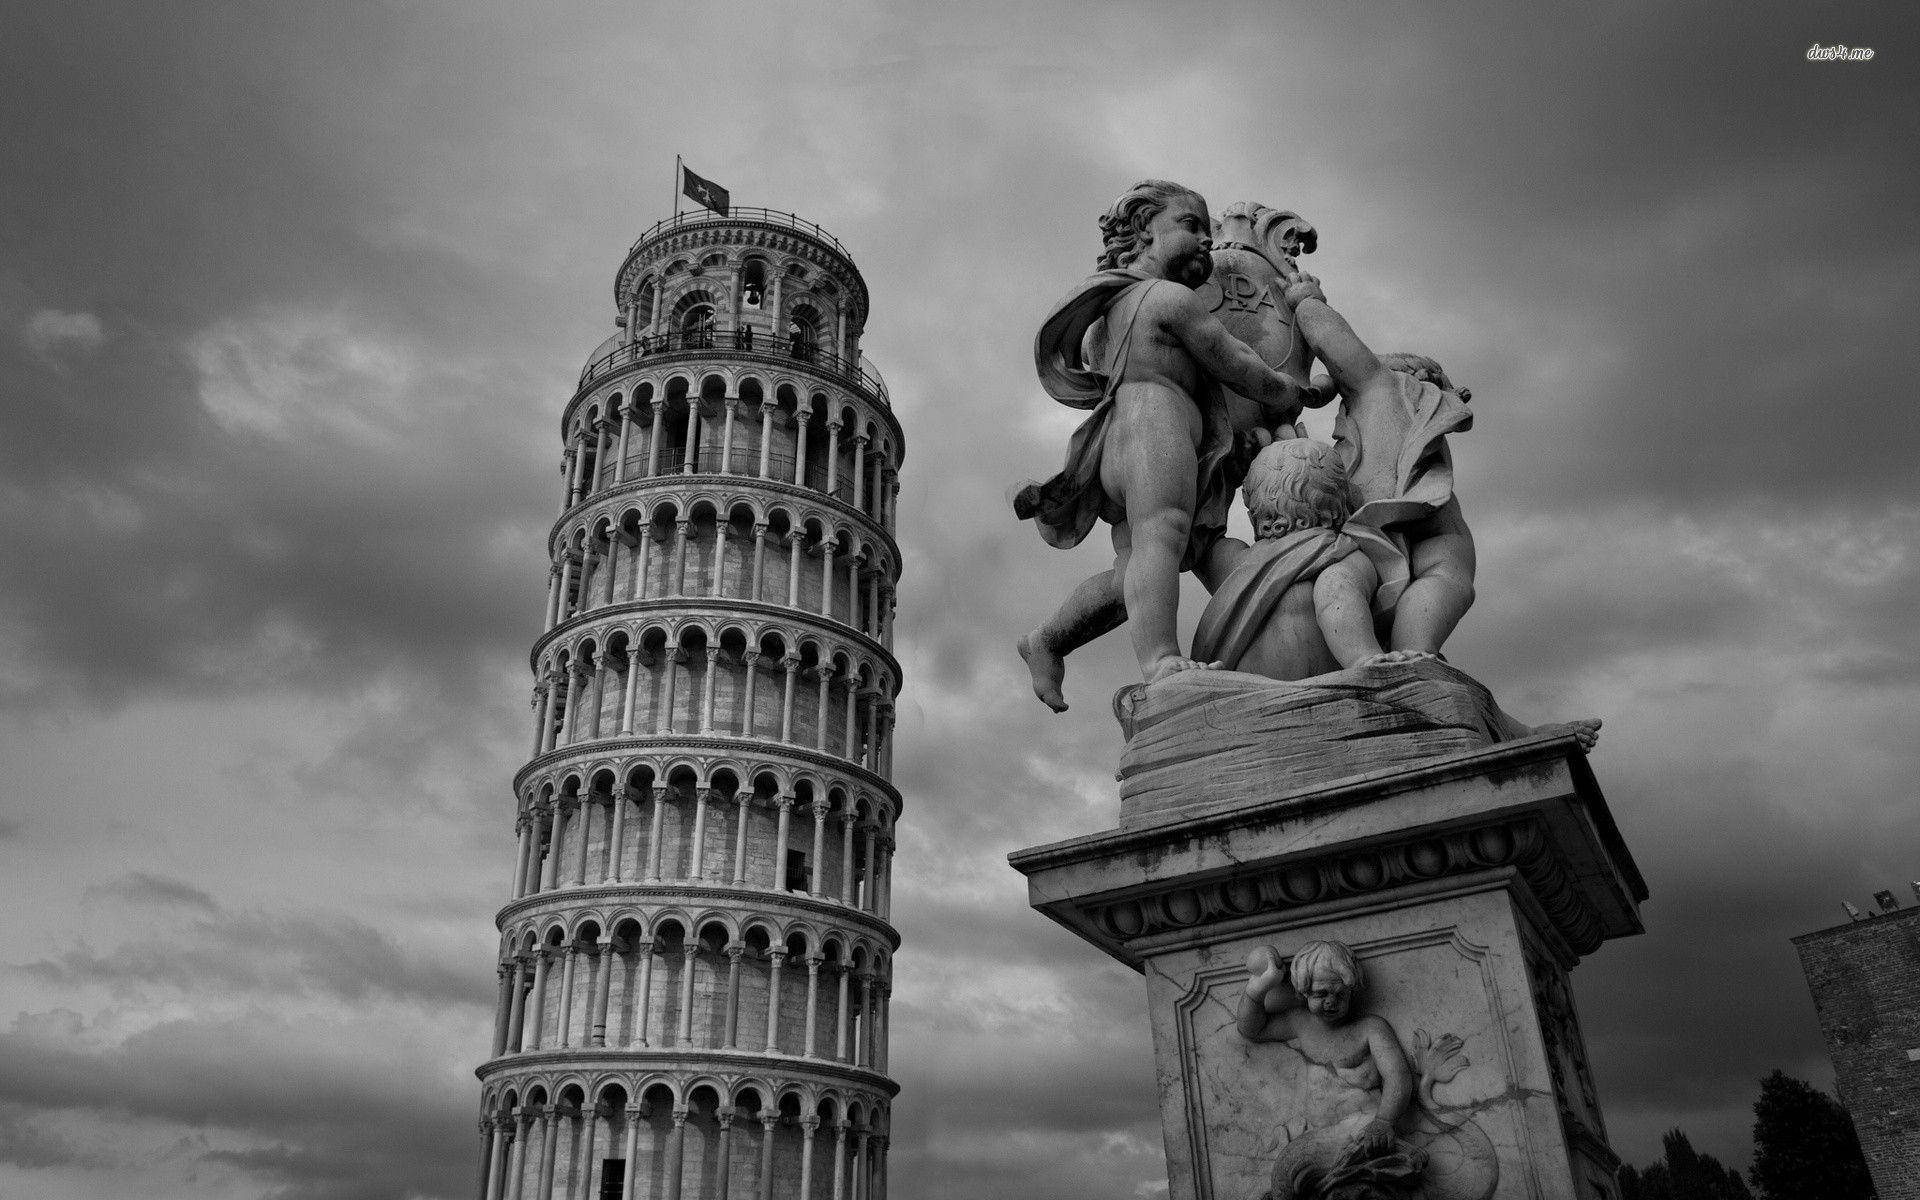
{"points": [[785, 804], [776, 960], [602, 989]]}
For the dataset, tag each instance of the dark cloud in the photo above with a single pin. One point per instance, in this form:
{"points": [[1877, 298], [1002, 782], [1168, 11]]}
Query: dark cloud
{"points": [[142, 889], [260, 956], [329, 1123], [283, 373]]}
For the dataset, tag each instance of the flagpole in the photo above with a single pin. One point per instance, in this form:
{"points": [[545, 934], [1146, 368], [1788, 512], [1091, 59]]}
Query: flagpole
{"points": [[676, 187]]}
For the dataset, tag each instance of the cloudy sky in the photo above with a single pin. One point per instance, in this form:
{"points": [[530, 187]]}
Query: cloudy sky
{"points": [[291, 298]]}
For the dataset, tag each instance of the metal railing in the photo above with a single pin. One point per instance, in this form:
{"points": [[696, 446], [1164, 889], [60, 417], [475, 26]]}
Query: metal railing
{"points": [[739, 339], [769, 216]]}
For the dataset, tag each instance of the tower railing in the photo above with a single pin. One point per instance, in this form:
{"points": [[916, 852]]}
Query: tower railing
{"points": [[743, 339], [768, 216]]}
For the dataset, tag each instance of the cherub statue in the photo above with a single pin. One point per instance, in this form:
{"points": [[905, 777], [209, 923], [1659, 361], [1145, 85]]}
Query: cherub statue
{"points": [[1312, 593], [1152, 459], [1359, 1083], [1304, 598], [1395, 413]]}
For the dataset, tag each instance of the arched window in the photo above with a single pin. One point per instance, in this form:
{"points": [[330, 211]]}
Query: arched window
{"points": [[696, 324], [753, 283], [803, 332]]}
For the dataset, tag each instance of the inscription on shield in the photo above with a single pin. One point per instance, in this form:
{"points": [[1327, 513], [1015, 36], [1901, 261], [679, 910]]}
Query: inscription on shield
{"points": [[1244, 291]]}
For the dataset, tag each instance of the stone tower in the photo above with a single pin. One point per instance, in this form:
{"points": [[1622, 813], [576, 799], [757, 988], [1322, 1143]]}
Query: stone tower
{"points": [[695, 958]]}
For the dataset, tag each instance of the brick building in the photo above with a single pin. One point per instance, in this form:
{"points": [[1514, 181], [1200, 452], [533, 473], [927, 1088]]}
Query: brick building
{"points": [[696, 955], [1865, 978]]}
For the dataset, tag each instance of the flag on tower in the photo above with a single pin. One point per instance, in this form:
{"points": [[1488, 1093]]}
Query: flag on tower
{"points": [[703, 191]]}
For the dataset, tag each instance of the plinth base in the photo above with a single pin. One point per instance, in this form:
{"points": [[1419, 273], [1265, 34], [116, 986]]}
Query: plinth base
{"points": [[1467, 886]]}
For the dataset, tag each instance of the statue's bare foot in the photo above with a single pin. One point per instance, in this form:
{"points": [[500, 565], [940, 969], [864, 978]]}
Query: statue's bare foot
{"points": [[1586, 730], [1161, 668], [1396, 656], [1048, 669]]}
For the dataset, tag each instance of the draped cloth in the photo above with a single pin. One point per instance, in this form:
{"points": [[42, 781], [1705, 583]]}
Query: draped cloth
{"points": [[1242, 609], [1398, 465], [1065, 507]]}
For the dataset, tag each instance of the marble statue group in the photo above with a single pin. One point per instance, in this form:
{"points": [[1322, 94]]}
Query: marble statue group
{"points": [[1190, 348], [1315, 676]]}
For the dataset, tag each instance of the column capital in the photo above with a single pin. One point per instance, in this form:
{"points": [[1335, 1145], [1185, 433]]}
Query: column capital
{"points": [[679, 1116], [810, 1124], [678, 654], [725, 1117], [769, 406], [862, 437], [735, 951], [713, 654], [775, 956], [790, 661], [784, 802], [751, 658], [633, 794], [760, 529], [827, 545], [659, 402], [825, 670], [821, 808]]}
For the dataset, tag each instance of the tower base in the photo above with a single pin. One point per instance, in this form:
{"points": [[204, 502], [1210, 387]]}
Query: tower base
{"points": [[1466, 886]]}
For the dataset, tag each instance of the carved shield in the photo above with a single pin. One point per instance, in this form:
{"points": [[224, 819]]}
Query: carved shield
{"points": [[1246, 293]]}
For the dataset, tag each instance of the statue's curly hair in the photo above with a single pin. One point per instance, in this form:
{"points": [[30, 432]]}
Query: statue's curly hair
{"points": [[1332, 957], [1297, 483], [1122, 225]]}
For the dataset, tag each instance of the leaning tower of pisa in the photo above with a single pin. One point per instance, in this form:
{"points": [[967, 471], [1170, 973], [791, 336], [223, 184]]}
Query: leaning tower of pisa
{"points": [[695, 957]]}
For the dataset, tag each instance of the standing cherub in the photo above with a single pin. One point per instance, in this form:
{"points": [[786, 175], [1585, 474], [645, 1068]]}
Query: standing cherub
{"points": [[1395, 413], [1359, 1082], [1151, 459]]}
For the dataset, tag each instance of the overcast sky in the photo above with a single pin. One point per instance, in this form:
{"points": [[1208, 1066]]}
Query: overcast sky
{"points": [[291, 298]]}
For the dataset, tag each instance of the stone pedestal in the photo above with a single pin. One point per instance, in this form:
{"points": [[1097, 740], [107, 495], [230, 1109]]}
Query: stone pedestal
{"points": [[1468, 886]]}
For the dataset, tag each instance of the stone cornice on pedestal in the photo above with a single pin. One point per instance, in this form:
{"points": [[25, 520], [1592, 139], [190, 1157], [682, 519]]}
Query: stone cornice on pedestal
{"points": [[666, 893], [1526, 815]]}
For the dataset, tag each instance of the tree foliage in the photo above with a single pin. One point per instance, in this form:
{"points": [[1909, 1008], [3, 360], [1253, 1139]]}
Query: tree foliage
{"points": [[1804, 1144], [1682, 1174]]}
